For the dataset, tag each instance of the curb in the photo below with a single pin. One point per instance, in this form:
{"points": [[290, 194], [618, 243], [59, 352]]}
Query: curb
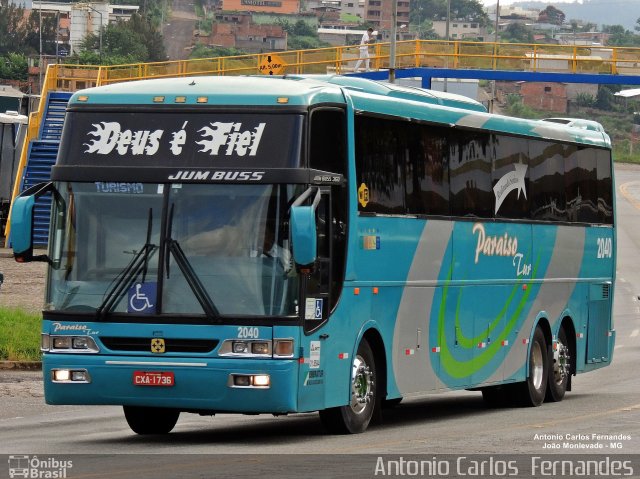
{"points": [[22, 365]]}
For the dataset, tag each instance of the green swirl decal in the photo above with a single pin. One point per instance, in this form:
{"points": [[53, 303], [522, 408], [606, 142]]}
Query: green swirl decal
{"points": [[462, 369]]}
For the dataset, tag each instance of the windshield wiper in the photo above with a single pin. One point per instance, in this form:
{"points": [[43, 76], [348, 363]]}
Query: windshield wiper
{"points": [[189, 273], [127, 277]]}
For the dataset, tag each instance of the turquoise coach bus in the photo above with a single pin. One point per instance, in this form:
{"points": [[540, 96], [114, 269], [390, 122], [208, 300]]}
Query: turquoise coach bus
{"points": [[332, 244]]}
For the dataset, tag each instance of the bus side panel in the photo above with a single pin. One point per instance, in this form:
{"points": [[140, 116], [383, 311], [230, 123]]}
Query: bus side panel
{"points": [[383, 257], [416, 362], [597, 339], [494, 263]]}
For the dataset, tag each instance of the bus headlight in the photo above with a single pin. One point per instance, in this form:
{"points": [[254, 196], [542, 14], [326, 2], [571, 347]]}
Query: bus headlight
{"points": [[240, 347], [69, 344], [259, 347]]}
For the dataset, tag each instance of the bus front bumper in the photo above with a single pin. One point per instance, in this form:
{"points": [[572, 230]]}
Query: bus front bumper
{"points": [[183, 383]]}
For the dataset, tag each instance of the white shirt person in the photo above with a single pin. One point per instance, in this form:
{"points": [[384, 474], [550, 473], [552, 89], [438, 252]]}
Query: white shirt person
{"points": [[367, 38]]}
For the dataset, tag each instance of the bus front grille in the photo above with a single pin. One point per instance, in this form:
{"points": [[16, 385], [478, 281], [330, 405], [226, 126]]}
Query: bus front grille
{"points": [[172, 345]]}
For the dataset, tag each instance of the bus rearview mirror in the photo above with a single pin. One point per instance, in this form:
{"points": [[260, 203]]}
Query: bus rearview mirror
{"points": [[303, 234], [22, 223]]}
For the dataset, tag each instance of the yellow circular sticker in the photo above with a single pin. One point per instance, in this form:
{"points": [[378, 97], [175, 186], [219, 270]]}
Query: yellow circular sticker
{"points": [[363, 195]]}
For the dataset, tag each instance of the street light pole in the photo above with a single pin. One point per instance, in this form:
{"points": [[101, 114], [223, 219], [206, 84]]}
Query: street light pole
{"points": [[40, 33], [100, 30], [495, 54], [392, 45], [446, 34]]}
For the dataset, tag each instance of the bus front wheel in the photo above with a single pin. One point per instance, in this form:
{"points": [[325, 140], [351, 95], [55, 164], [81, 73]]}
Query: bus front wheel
{"points": [[151, 420], [355, 417], [533, 390]]}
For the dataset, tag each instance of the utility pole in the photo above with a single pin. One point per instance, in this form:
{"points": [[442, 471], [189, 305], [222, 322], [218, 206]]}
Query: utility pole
{"points": [[40, 65], [495, 54], [446, 34], [392, 45]]}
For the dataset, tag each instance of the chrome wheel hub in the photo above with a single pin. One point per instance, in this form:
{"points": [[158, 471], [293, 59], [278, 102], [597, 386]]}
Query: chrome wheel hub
{"points": [[561, 362], [361, 385]]}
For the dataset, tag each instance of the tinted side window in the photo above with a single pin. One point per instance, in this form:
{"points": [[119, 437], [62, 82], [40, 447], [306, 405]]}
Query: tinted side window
{"points": [[605, 185], [381, 151], [510, 177], [470, 170], [581, 183], [427, 171], [328, 141], [546, 162]]}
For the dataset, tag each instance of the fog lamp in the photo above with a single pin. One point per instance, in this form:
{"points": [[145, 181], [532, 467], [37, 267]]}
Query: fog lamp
{"points": [[261, 380]]}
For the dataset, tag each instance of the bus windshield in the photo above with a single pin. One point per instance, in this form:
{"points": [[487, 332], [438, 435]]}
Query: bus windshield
{"points": [[172, 249]]}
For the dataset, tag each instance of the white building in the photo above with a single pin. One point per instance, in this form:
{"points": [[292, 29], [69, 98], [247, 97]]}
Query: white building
{"points": [[86, 17], [460, 29]]}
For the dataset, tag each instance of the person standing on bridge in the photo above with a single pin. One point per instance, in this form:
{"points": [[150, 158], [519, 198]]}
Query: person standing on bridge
{"points": [[367, 38]]}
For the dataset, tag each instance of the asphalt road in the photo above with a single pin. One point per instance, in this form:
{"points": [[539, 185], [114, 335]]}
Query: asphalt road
{"points": [[605, 402]]}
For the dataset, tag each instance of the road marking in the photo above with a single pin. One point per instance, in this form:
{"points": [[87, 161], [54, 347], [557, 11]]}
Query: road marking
{"points": [[624, 189], [634, 333], [618, 346]]}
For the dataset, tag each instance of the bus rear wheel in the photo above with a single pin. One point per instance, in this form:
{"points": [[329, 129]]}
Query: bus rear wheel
{"points": [[559, 369], [356, 416], [151, 420], [533, 390]]}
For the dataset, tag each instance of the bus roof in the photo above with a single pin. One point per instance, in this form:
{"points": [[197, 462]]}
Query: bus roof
{"points": [[300, 90]]}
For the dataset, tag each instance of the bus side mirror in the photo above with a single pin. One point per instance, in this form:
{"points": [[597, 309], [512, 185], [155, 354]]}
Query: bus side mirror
{"points": [[303, 234], [22, 223]]}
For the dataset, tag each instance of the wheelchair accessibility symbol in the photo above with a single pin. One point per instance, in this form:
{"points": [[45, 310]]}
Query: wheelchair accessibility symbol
{"points": [[142, 298]]}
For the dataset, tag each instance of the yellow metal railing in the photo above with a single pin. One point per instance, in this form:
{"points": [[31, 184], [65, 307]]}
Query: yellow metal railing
{"points": [[342, 59]]}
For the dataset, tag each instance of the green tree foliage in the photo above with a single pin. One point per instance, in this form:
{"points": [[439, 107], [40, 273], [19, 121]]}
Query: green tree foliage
{"points": [[605, 99], [585, 100], [301, 35], [425, 31], [13, 66], [516, 108], [123, 42], [619, 37], [421, 10], [204, 51], [551, 15], [32, 36], [12, 33], [22, 35], [517, 33]]}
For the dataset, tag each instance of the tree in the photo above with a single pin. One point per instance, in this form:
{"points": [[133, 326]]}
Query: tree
{"points": [[517, 33], [620, 37], [13, 66], [12, 31], [205, 51], [123, 42], [421, 10], [551, 15]]}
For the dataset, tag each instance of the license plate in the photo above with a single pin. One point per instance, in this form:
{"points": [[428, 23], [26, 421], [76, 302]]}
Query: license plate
{"points": [[153, 378]]}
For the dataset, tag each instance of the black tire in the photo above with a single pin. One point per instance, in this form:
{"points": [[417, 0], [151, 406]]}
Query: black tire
{"points": [[151, 420], [559, 369], [391, 403], [356, 416], [532, 392]]}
